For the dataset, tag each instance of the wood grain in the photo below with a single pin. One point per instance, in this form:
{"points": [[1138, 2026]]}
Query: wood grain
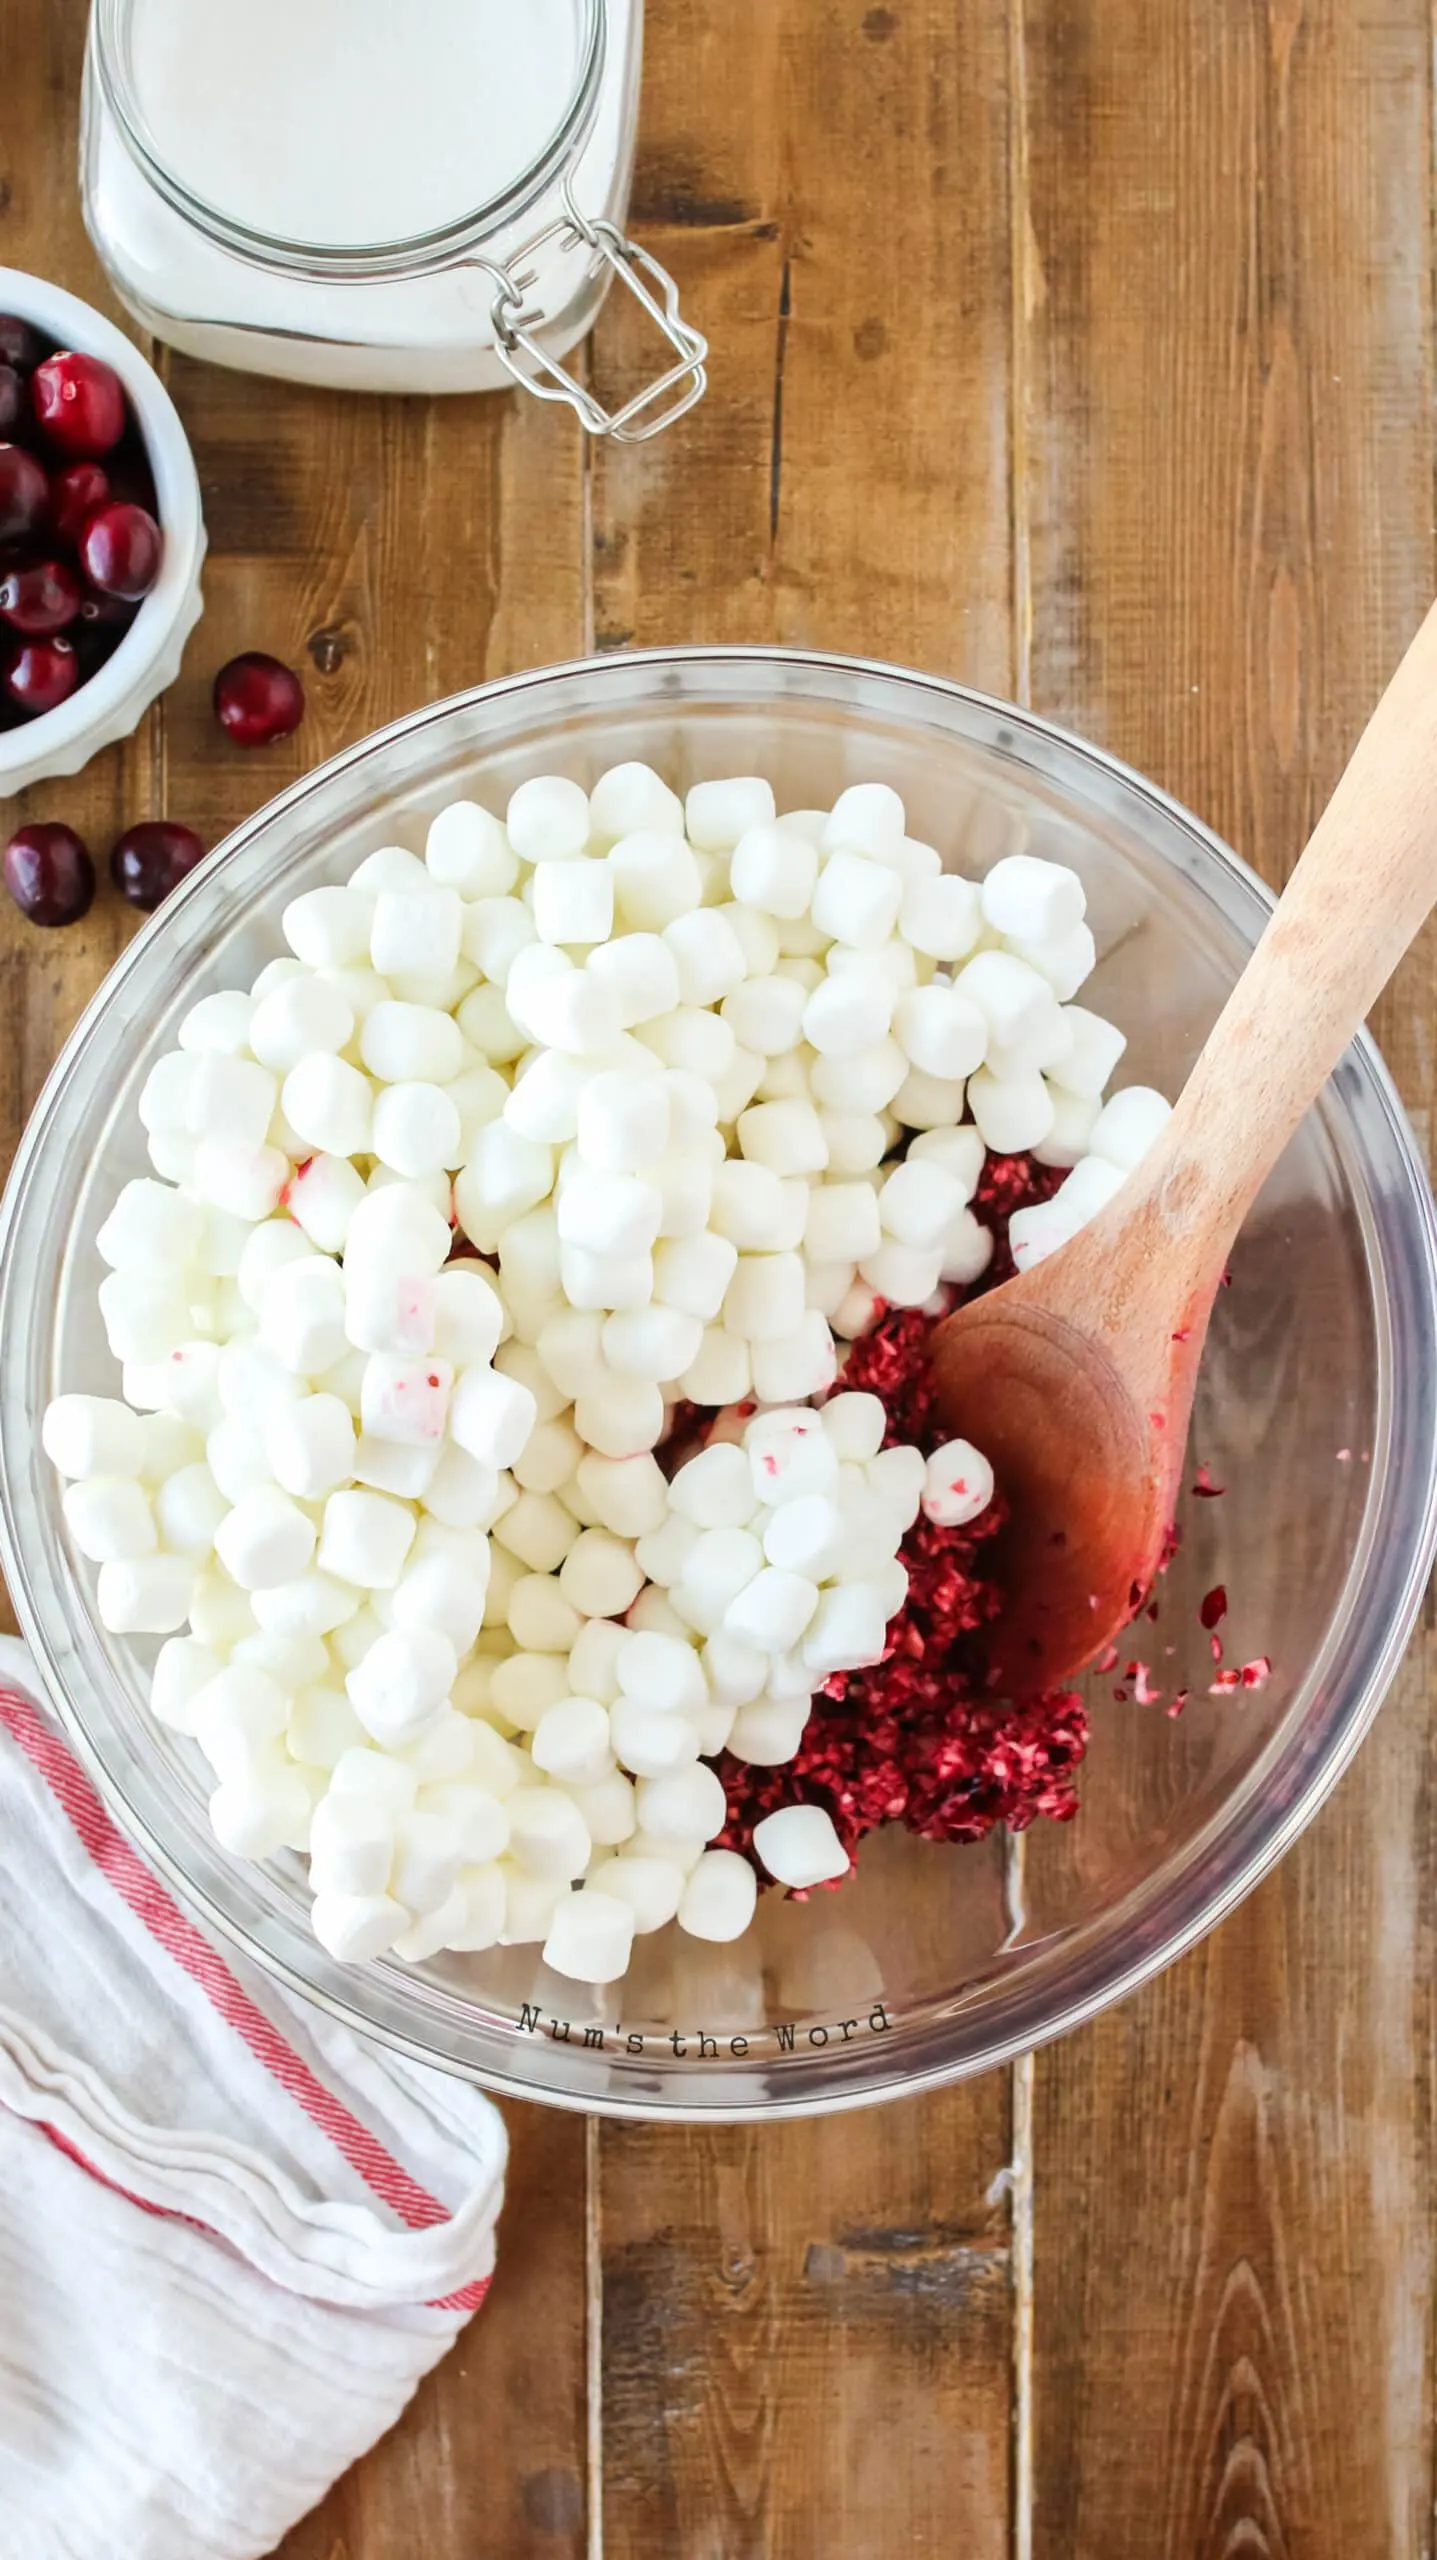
{"points": [[806, 2331], [1228, 523]]}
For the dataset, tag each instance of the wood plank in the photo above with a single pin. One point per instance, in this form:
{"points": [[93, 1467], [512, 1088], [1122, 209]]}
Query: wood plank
{"points": [[807, 2327], [1226, 485]]}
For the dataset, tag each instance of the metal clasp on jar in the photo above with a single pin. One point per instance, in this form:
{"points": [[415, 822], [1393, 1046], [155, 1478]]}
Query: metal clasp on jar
{"points": [[515, 329]]}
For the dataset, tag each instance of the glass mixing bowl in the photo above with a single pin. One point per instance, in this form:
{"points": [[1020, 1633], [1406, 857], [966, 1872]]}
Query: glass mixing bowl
{"points": [[1317, 1413]]}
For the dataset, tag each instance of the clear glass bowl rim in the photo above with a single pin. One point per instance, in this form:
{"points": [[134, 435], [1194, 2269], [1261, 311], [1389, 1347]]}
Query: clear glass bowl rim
{"points": [[1383, 1593]]}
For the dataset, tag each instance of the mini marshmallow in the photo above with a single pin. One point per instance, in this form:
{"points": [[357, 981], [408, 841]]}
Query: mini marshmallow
{"points": [[805, 1536], [848, 1630], [415, 935], [1093, 1053], [323, 1194], [311, 1605], [145, 1595], [91, 1436], [736, 1673], [415, 1129], [151, 1228], [183, 1669], [494, 932], [957, 1484], [549, 1457], [941, 917], [365, 1539], [620, 1416], [630, 796], [863, 1080], [641, 975], [468, 1316], [385, 1311], [219, 1022], [329, 1104], [785, 1136], [467, 849], [708, 955], [1013, 1114], [649, 1741], [491, 1415], [940, 1031], [230, 1100], [774, 869], [571, 1742], [857, 1141], [722, 1373], [748, 1205], [622, 1121], [110, 1520], [1128, 1125], [547, 820], [302, 1319], [717, 814], [918, 1202], [801, 1363], [718, 1900], [664, 1551], [768, 1732], [701, 1043], [609, 1213], [547, 1835], [538, 1530], [799, 1846], [787, 1452], [650, 1886], [410, 1043], [764, 1300], [398, 1228], [608, 1280], [355, 1928], [842, 1222], [772, 1610], [573, 901], [505, 1176], [1074, 1121], [445, 1592], [145, 1317], [402, 1682], [866, 818], [854, 1425], [849, 1012], [559, 1005], [591, 1936], [1028, 900], [189, 1507], [653, 1342], [690, 1804], [1065, 962], [408, 1399], [486, 1023], [766, 1014], [656, 878], [541, 1619], [351, 1845], [857, 901], [967, 1249], [265, 1539]]}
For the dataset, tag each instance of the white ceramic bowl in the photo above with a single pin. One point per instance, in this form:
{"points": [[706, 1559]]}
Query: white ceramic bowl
{"points": [[111, 703]]}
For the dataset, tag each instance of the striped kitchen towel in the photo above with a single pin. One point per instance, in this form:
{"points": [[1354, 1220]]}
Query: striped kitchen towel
{"points": [[233, 2237]]}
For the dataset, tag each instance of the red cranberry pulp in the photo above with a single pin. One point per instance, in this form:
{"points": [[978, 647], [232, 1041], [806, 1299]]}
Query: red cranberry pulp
{"points": [[80, 544], [258, 699], [40, 675], [49, 874], [150, 860], [79, 404]]}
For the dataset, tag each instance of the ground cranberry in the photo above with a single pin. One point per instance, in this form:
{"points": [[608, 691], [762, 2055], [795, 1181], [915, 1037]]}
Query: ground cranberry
{"points": [[75, 493], [20, 344], [150, 860], [49, 874], [12, 399], [40, 675], [258, 699], [79, 403], [39, 599], [120, 551], [24, 490]]}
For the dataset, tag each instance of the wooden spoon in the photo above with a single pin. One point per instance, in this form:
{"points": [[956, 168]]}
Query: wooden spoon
{"points": [[1076, 1378]]}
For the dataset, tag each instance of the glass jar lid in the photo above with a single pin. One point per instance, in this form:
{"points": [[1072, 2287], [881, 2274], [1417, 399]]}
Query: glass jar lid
{"points": [[351, 137]]}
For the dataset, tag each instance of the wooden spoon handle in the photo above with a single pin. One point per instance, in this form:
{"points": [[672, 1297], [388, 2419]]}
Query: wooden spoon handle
{"points": [[1362, 888]]}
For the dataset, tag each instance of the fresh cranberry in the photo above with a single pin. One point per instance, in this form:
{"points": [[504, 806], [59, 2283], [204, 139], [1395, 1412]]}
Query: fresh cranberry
{"points": [[20, 345], [120, 551], [39, 599], [79, 402], [75, 493], [150, 860], [258, 699], [23, 492], [49, 874], [12, 399], [40, 675]]}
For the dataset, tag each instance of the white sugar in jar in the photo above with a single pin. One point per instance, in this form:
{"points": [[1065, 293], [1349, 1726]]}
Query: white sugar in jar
{"points": [[423, 197]]}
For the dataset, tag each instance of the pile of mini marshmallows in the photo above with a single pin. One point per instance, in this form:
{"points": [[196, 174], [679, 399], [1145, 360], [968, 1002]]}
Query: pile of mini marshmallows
{"points": [[691, 1080]]}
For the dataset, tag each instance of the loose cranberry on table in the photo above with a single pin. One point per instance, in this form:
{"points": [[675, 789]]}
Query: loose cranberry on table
{"points": [[120, 551], [258, 699], [39, 675], [24, 493], [151, 859], [49, 874], [79, 403], [75, 493], [40, 598]]}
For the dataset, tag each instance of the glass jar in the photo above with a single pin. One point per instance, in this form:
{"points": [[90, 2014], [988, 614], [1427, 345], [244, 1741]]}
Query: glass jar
{"points": [[425, 198]]}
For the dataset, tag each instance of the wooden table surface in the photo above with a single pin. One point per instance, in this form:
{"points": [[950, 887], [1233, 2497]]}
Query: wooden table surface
{"points": [[1082, 349]]}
